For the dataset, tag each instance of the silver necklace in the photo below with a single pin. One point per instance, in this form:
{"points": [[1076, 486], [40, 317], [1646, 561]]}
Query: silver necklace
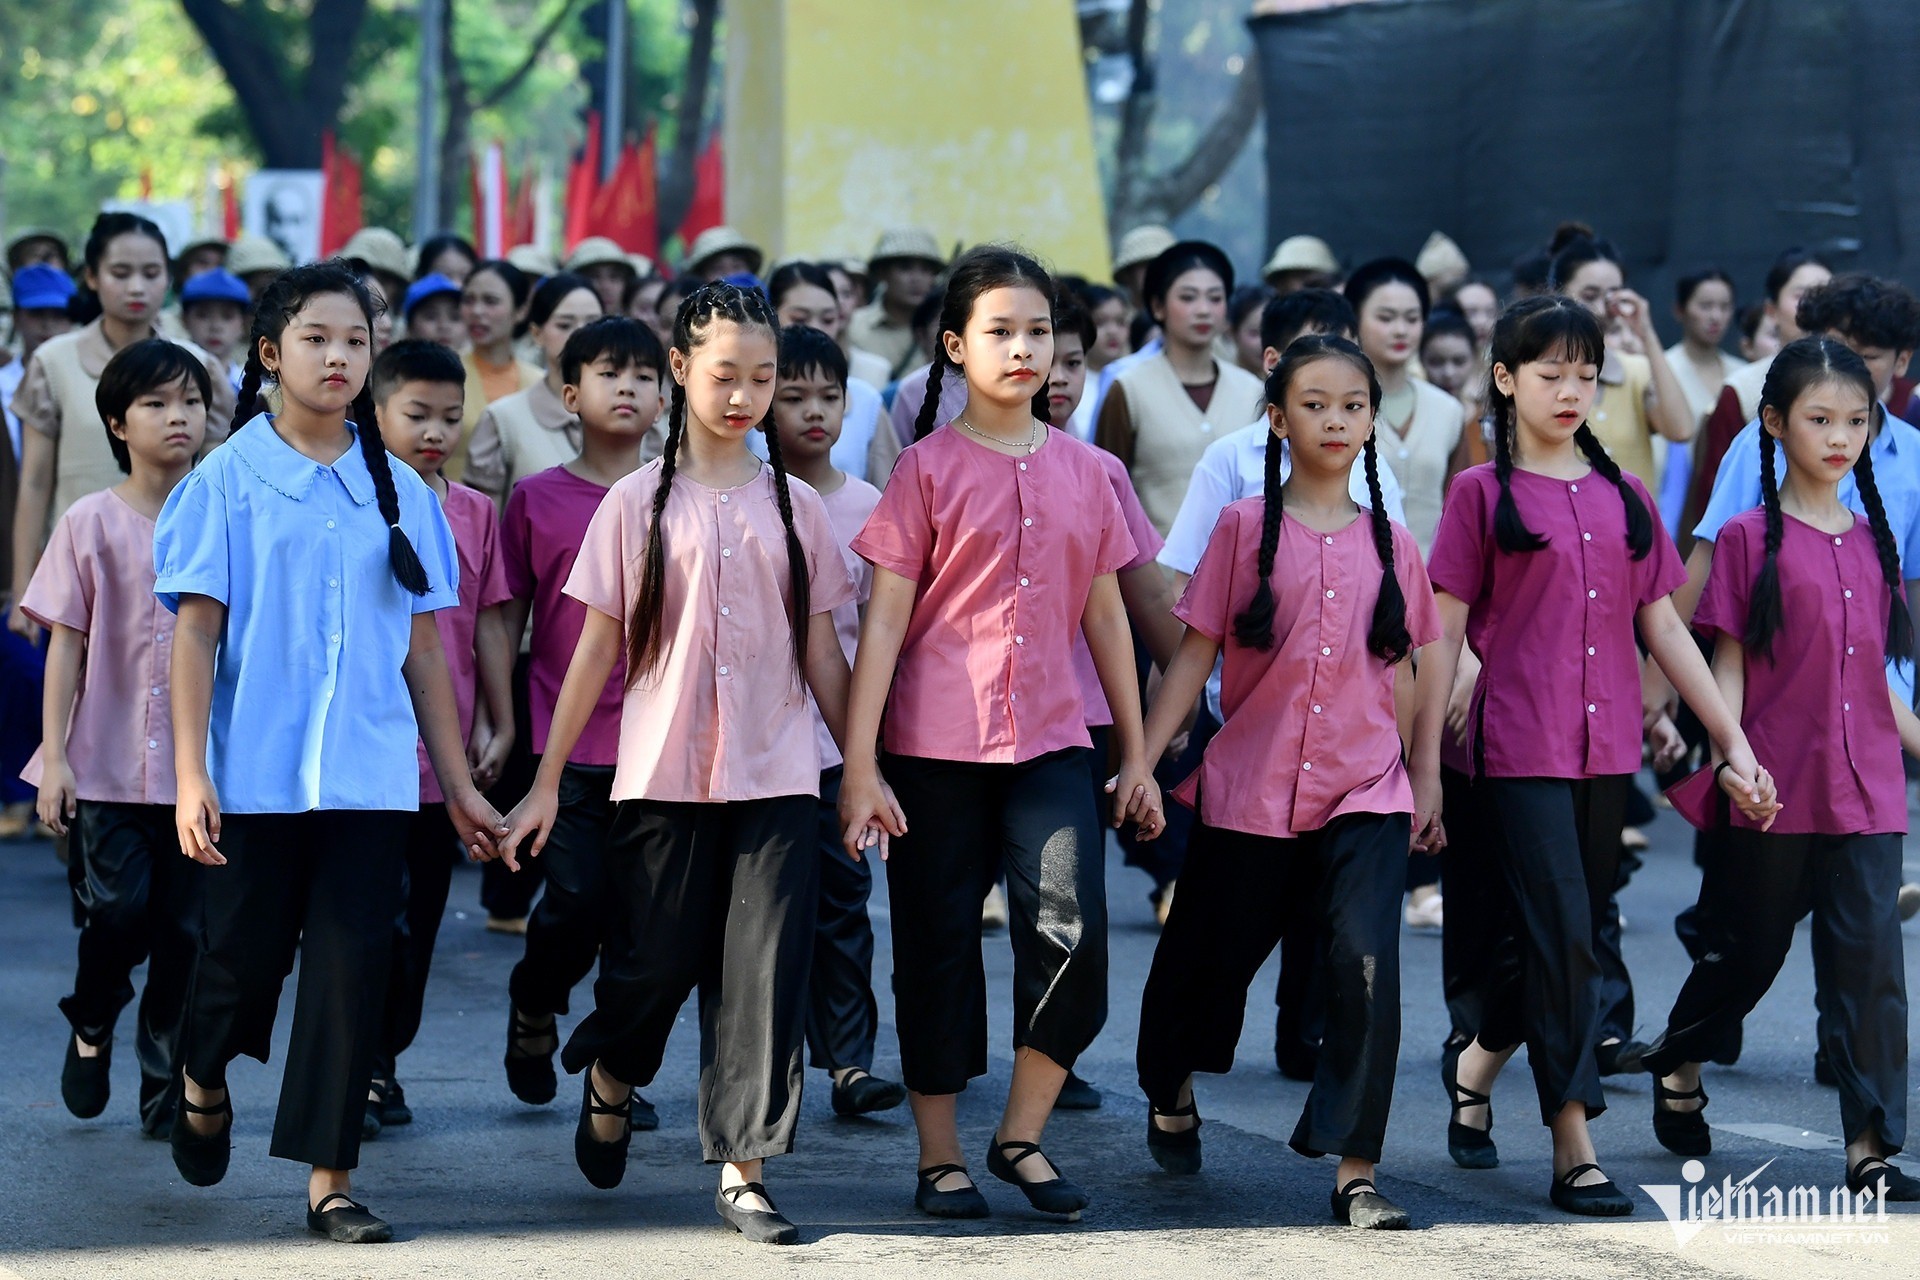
{"points": [[1033, 436]]}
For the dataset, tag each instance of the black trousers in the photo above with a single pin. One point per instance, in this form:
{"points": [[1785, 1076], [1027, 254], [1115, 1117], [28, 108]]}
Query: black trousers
{"points": [[503, 893], [842, 1019], [576, 909], [1239, 895], [433, 846], [141, 903], [722, 898], [1478, 941], [1558, 849], [328, 883], [1755, 895], [966, 821]]}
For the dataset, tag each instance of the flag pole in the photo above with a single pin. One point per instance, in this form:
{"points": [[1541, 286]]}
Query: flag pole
{"points": [[426, 184], [616, 87]]}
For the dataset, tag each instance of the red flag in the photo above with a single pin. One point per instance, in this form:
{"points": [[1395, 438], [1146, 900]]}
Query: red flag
{"points": [[709, 206], [520, 212], [625, 210], [489, 176], [146, 183], [583, 183], [340, 214], [229, 207]]}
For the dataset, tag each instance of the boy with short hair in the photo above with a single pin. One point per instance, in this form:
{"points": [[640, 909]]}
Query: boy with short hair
{"points": [[419, 394], [431, 310]]}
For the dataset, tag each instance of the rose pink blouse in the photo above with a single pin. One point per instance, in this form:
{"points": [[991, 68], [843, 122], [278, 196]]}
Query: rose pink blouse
{"points": [[483, 585], [96, 576], [1147, 543], [847, 510], [1310, 732], [725, 715], [1003, 551], [1559, 695], [1817, 713]]}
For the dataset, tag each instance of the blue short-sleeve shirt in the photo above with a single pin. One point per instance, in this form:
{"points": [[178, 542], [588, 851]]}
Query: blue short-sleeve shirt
{"points": [[310, 706]]}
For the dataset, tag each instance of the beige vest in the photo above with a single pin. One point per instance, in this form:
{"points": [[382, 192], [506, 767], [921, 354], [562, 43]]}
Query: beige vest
{"points": [[527, 446], [1170, 433]]}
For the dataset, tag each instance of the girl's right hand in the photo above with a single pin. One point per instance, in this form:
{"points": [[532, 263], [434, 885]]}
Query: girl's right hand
{"points": [[869, 814], [196, 819], [533, 816], [55, 806], [1748, 786], [1429, 835]]}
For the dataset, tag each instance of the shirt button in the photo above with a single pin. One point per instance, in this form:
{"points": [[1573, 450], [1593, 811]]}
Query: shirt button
{"points": [[1849, 595], [1836, 542], [1574, 487], [1023, 582], [1846, 706], [1306, 764], [1586, 537], [1849, 654], [1019, 639], [724, 611], [156, 688], [1593, 595], [726, 553], [329, 524], [153, 744], [1329, 593], [1316, 708], [1023, 466], [725, 497], [1027, 521], [1589, 651], [1591, 708], [723, 669], [1326, 653], [1329, 541], [334, 638]]}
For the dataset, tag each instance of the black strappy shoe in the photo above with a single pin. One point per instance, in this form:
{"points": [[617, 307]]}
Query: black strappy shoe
{"points": [[83, 1081], [1175, 1150], [1470, 1148], [1055, 1195], [961, 1202], [1600, 1200], [762, 1226], [604, 1163], [348, 1223], [1866, 1176], [1685, 1133], [529, 1074], [1360, 1204], [202, 1158], [863, 1093]]}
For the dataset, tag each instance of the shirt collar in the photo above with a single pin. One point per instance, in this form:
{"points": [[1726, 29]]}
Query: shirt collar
{"points": [[287, 471]]}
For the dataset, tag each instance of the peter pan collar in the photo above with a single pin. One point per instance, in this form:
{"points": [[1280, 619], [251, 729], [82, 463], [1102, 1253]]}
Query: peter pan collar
{"points": [[288, 472]]}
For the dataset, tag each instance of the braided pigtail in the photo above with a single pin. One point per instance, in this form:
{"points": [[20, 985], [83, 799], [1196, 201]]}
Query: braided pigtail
{"points": [[1639, 522], [930, 407], [799, 586], [1509, 530], [1254, 627], [246, 406], [400, 553], [1763, 605], [1899, 621], [649, 602], [1387, 636]]}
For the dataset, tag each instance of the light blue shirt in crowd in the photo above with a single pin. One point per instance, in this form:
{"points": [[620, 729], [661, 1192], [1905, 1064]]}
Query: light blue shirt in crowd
{"points": [[310, 707]]}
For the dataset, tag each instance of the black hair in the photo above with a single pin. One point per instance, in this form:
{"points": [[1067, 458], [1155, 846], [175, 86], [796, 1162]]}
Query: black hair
{"points": [[805, 349], [1180, 259], [137, 369], [1576, 253], [979, 270], [414, 360], [1872, 311], [1387, 635], [630, 291], [1071, 315], [1095, 296], [681, 287], [433, 246], [84, 306], [1369, 276], [1790, 261], [1138, 328], [1752, 316], [284, 297], [624, 341], [1685, 287], [1446, 322], [554, 290], [1530, 271], [1551, 324], [691, 327], [794, 274], [1291, 314], [1801, 365], [1247, 299], [927, 314]]}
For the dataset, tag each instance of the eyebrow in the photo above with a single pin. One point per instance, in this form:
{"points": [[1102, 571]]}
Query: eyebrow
{"points": [[1033, 319], [1322, 391], [1830, 411]]}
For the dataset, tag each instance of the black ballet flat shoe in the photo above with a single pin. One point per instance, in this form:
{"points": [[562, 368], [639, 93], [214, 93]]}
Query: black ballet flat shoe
{"points": [[347, 1222], [863, 1093], [1077, 1095], [529, 1074], [1175, 1150], [604, 1163], [1866, 1176], [1622, 1058], [83, 1081], [394, 1110], [761, 1226], [202, 1158], [1600, 1200], [1470, 1148], [642, 1117], [1685, 1133], [1055, 1195], [961, 1202], [1360, 1204]]}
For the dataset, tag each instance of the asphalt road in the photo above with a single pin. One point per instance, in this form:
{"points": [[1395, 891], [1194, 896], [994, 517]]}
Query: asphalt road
{"points": [[482, 1186]]}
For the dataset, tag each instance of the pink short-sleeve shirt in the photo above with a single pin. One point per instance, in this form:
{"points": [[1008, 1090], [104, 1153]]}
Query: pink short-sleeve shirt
{"points": [[725, 715], [1559, 694], [847, 510], [547, 516], [97, 577], [483, 585], [1147, 544], [1817, 713], [1002, 551], [1310, 732]]}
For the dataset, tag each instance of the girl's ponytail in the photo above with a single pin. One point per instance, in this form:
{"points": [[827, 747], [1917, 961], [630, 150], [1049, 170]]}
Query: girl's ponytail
{"points": [[650, 601], [400, 553], [1899, 621], [1639, 522], [1387, 635], [1254, 627], [799, 585], [930, 407]]}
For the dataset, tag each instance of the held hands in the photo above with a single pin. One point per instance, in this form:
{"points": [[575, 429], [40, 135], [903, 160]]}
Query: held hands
{"points": [[483, 833], [196, 819], [487, 756], [1429, 835], [1747, 785], [1668, 746], [58, 793], [533, 816], [869, 814], [1136, 798]]}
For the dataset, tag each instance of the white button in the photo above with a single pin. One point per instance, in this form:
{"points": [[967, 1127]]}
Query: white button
{"points": [[1586, 537], [1329, 593], [726, 498], [1023, 466], [1329, 541], [1023, 582], [153, 744], [1326, 653], [334, 638], [1316, 708], [1013, 697], [156, 688], [1849, 595], [1846, 706], [723, 669], [1027, 521], [726, 553], [160, 637], [1306, 764], [1849, 654], [1593, 595], [1574, 487], [1019, 639], [1589, 651], [329, 524], [1591, 708], [333, 582], [1836, 542], [725, 612]]}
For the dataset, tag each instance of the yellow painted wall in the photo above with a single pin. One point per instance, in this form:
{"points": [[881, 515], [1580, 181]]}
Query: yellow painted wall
{"points": [[968, 117]]}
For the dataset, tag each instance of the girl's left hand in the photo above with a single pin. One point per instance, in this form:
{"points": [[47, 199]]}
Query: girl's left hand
{"points": [[1136, 798], [490, 759], [1668, 746], [1634, 314], [1749, 786], [480, 826]]}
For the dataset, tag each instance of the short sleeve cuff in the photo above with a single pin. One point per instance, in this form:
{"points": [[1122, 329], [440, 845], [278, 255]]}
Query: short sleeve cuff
{"points": [[887, 558], [170, 587]]}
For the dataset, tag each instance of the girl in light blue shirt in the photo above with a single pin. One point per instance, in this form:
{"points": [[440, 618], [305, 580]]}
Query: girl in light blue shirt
{"points": [[304, 567]]}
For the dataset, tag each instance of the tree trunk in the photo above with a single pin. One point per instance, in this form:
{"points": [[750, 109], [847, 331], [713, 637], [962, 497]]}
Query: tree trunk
{"points": [[286, 108], [456, 135], [676, 185]]}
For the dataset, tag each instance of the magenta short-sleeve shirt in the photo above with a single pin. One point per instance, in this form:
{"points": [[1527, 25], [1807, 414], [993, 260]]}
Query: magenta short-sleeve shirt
{"points": [[483, 585]]}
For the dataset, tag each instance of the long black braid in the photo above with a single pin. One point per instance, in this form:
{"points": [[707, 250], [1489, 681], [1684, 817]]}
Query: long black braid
{"points": [[1763, 605], [1639, 521], [1899, 621], [975, 272], [282, 301], [691, 328], [1254, 626], [1387, 636], [924, 422]]}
